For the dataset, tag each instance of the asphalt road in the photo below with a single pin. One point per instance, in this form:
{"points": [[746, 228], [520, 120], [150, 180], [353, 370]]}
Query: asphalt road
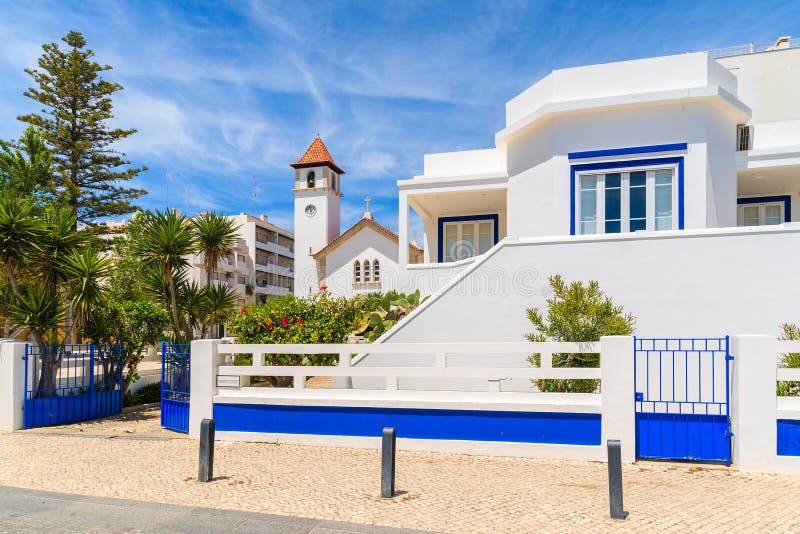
{"points": [[31, 511]]}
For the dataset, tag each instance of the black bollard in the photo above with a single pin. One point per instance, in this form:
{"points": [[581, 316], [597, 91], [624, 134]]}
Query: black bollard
{"points": [[388, 448], [205, 473], [615, 480]]}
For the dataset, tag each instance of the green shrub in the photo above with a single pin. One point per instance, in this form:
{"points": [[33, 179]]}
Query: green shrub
{"points": [[290, 319], [576, 312], [791, 332], [145, 395]]}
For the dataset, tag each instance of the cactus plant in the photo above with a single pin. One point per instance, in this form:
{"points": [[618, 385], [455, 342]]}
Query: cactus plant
{"points": [[392, 308]]}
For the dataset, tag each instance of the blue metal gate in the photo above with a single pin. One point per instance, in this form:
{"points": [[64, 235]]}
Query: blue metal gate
{"points": [[175, 386], [683, 399], [69, 383]]}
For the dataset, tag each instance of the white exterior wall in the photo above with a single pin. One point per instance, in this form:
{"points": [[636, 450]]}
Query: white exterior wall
{"points": [[539, 169], [690, 283], [370, 245]]}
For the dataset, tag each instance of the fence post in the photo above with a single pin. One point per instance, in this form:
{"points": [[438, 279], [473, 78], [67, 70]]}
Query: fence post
{"points": [[388, 457], [91, 381], [202, 382], [13, 380], [753, 402], [616, 510], [205, 471], [617, 393]]}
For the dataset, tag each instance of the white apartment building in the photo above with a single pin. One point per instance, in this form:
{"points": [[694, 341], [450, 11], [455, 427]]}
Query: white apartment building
{"points": [[262, 265]]}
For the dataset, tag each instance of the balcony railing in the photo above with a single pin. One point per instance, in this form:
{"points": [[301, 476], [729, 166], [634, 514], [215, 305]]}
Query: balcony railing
{"points": [[752, 48]]}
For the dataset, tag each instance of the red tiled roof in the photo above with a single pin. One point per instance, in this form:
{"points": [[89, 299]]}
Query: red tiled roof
{"points": [[316, 154], [355, 228]]}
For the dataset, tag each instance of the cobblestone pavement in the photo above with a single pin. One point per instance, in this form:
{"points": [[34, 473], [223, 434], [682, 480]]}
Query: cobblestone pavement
{"points": [[438, 492]]}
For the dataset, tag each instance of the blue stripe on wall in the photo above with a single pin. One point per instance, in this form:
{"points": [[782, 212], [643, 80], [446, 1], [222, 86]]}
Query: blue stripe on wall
{"points": [[627, 150], [471, 425], [788, 437]]}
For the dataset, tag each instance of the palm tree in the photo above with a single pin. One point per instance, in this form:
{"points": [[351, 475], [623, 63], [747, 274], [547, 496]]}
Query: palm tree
{"points": [[165, 242], [85, 272], [220, 300], [20, 234], [216, 239]]}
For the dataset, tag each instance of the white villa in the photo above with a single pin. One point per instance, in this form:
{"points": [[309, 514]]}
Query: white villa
{"points": [[639, 174]]}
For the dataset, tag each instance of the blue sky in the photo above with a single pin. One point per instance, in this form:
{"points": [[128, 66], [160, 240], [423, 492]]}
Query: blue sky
{"points": [[224, 91]]}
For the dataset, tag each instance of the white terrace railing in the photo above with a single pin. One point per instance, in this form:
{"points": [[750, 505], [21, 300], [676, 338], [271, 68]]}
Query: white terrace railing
{"points": [[228, 375]]}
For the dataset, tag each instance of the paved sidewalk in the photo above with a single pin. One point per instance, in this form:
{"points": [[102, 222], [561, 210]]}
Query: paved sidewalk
{"points": [[125, 457], [32, 511]]}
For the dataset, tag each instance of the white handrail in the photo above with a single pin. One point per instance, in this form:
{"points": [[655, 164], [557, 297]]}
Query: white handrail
{"points": [[415, 348], [228, 374]]}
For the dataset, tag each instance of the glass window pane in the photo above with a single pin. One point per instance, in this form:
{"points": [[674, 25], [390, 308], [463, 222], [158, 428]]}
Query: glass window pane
{"points": [[638, 178], [772, 214], [663, 194], [467, 240], [588, 207], [638, 196], [664, 223], [613, 203], [750, 216], [638, 224], [450, 242], [484, 237], [663, 176]]}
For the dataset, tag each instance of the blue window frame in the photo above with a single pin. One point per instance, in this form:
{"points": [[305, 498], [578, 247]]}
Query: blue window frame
{"points": [[493, 217], [636, 207]]}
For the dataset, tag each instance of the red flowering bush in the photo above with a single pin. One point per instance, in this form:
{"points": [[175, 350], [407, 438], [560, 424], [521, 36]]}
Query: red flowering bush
{"points": [[289, 319]]}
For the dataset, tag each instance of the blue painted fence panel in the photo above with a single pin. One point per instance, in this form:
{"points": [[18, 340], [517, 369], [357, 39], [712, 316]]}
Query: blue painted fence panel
{"points": [[70, 383], [520, 427], [175, 386], [788, 437], [682, 436]]}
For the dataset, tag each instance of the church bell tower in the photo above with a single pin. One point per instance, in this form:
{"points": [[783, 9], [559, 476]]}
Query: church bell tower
{"points": [[317, 200]]}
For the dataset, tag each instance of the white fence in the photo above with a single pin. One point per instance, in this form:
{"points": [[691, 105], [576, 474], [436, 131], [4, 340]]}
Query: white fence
{"points": [[582, 421]]}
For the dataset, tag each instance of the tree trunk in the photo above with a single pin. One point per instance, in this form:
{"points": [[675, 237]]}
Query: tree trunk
{"points": [[12, 277]]}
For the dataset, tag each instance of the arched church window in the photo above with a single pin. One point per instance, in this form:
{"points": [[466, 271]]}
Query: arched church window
{"points": [[367, 278], [376, 271], [357, 272], [310, 181]]}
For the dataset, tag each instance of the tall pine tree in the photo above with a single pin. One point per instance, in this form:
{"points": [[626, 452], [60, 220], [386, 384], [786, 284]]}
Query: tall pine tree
{"points": [[89, 175]]}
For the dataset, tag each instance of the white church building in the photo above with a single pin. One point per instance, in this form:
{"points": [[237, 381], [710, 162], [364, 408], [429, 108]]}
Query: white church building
{"points": [[362, 259]]}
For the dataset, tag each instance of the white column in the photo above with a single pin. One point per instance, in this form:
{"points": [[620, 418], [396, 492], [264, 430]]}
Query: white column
{"points": [[12, 385], [617, 391], [203, 366], [753, 402], [403, 230]]}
